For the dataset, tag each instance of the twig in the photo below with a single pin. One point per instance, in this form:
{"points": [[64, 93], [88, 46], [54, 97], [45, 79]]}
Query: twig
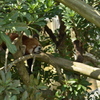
{"points": [[32, 64], [6, 56], [17, 61]]}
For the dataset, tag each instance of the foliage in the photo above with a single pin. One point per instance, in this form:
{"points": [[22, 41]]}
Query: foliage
{"points": [[29, 16], [93, 96], [74, 89], [9, 89], [13, 89], [84, 31], [25, 15], [35, 88]]}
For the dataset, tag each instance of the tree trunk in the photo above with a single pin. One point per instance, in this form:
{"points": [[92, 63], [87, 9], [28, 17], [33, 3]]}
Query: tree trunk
{"points": [[21, 66]]}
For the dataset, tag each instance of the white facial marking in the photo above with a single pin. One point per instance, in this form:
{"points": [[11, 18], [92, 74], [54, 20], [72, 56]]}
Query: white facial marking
{"points": [[37, 49]]}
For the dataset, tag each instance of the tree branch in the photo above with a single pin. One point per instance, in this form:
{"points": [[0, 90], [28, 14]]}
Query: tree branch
{"points": [[81, 68], [84, 10], [52, 36]]}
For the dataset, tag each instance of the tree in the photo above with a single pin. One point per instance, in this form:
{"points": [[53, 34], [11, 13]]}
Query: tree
{"points": [[29, 16], [83, 9]]}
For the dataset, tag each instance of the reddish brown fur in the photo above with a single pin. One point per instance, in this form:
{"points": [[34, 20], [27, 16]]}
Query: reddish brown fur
{"points": [[30, 43], [12, 36]]}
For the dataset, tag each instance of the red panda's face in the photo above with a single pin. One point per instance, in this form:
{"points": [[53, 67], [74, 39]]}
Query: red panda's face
{"points": [[37, 49]]}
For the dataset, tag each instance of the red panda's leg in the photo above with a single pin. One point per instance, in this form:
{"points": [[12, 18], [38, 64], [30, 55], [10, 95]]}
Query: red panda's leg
{"points": [[29, 62]]}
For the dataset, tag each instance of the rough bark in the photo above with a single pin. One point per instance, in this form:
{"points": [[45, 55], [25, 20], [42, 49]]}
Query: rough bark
{"points": [[61, 45], [84, 10]]}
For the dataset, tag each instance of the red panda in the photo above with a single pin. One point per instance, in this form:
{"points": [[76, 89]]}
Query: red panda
{"points": [[32, 44]]}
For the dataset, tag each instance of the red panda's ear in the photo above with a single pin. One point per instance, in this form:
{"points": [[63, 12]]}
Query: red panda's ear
{"points": [[36, 36]]}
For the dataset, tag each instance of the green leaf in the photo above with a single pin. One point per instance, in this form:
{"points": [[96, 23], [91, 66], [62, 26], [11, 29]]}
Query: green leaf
{"points": [[38, 95], [40, 23], [16, 83], [1, 89], [71, 89], [42, 87], [75, 92], [13, 98], [12, 48], [27, 32], [50, 3], [65, 85], [3, 76], [1, 1], [18, 26], [58, 93], [14, 90], [34, 29], [72, 81], [12, 16], [33, 6], [24, 95], [47, 9], [28, 16], [84, 88], [36, 82], [40, 19], [1, 81], [2, 28], [0, 41], [8, 75], [79, 87], [2, 21]]}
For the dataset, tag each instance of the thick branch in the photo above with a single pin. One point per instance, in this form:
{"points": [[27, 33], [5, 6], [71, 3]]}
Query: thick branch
{"points": [[91, 60], [81, 68], [52, 36], [84, 10]]}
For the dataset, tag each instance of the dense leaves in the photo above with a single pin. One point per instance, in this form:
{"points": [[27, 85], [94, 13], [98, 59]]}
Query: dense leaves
{"points": [[84, 31], [29, 17]]}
